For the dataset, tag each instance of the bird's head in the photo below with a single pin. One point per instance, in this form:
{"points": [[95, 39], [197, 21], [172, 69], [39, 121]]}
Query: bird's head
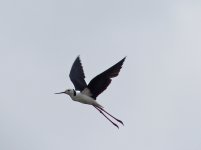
{"points": [[68, 92]]}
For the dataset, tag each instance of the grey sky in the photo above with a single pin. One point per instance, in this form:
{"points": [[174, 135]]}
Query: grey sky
{"points": [[157, 93]]}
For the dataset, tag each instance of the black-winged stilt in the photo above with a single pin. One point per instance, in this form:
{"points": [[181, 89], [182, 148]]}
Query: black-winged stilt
{"points": [[88, 93]]}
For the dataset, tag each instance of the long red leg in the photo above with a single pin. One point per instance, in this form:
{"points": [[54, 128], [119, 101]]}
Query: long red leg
{"points": [[106, 117], [111, 116]]}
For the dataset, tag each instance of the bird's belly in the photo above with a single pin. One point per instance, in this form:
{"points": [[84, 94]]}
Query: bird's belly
{"points": [[86, 100]]}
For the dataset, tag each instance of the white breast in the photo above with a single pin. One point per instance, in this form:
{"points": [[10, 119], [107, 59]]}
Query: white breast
{"points": [[82, 98]]}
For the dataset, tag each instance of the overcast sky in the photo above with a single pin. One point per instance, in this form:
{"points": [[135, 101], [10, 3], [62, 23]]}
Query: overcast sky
{"points": [[157, 93]]}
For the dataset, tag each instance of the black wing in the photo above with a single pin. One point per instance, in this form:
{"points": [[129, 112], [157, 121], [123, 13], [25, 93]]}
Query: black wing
{"points": [[98, 84], [77, 75]]}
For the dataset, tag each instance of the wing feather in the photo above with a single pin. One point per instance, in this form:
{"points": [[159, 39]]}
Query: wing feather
{"points": [[98, 84], [77, 75]]}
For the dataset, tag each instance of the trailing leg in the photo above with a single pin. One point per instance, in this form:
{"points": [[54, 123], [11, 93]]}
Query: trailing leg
{"points": [[106, 116]]}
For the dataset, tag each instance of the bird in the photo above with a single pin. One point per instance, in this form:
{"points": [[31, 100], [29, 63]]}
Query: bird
{"points": [[87, 93]]}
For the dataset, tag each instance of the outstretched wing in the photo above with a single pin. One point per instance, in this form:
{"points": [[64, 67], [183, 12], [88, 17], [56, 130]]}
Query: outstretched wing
{"points": [[77, 75], [98, 84]]}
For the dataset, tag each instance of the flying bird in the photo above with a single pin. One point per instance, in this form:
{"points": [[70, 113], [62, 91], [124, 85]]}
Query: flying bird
{"points": [[87, 93]]}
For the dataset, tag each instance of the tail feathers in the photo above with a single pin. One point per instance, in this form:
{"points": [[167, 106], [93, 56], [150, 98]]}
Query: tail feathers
{"points": [[97, 104]]}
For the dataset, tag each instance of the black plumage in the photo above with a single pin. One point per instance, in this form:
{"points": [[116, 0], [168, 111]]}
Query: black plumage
{"points": [[99, 83], [77, 75]]}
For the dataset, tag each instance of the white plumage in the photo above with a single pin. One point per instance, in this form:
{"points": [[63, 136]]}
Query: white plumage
{"points": [[88, 93], [82, 98]]}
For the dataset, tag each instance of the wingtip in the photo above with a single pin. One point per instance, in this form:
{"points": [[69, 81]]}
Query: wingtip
{"points": [[78, 56], [78, 59], [124, 58]]}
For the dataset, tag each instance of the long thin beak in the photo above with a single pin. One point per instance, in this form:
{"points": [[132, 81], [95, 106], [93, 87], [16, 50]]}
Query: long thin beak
{"points": [[60, 93]]}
